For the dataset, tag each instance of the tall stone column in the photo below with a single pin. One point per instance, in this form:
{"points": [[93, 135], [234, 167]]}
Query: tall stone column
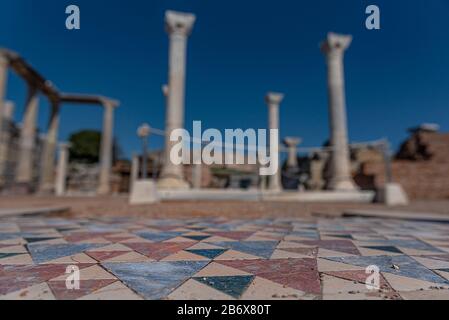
{"points": [[179, 26], [273, 101], [5, 138], [134, 176], [334, 48], [24, 170], [61, 172], [47, 181], [4, 64], [197, 175], [292, 146], [106, 148]]}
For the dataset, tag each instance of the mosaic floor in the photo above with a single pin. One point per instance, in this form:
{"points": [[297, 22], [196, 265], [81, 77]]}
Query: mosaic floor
{"points": [[223, 259]]}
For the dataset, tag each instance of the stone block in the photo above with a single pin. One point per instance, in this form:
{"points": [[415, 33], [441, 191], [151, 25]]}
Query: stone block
{"points": [[393, 195], [144, 192]]}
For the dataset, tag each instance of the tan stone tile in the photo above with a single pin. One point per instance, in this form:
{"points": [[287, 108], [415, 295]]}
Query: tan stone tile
{"points": [[426, 295], [215, 269], [333, 285], [36, 292], [22, 259], [130, 257], [263, 289], [327, 265], [185, 256], [14, 249], [330, 253], [400, 283], [280, 254], [236, 255], [115, 291], [75, 259], [373, 252], [194, 290], [90, 273], [289, 244], [16, 241]]}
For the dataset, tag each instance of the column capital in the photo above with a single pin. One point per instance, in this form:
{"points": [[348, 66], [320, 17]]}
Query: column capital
{"points": [[179, 23], [106, 102], [335, 44], [144, 130], [274, 98], [292, 141]]}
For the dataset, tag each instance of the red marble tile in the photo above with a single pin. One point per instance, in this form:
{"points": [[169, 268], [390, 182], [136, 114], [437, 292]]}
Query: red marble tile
{"points": [[158, 251], [105, 255], [301, 274], [61, 292], [13, 278]]}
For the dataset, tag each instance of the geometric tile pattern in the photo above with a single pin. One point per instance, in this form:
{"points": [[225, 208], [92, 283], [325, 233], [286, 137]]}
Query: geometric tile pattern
{"points": [[216, 258]]}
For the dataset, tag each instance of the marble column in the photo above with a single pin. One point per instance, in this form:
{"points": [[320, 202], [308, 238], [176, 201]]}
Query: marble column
{"points": [[134, 176], [334, 48], [61, 172], [292, 146], [179, 26], [197, 175], [273, 101], [24, 170], [4, 64], [47, 181], [5, 139], [106, 148]]}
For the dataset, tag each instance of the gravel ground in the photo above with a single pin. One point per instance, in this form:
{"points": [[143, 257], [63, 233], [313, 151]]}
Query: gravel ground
{"points": [[118, 206]]}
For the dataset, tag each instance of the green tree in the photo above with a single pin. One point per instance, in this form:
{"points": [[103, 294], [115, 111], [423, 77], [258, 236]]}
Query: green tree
{"points": [[85, 147]]}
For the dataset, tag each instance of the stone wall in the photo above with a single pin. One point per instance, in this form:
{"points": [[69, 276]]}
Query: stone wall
{"points": [[421, 166]]}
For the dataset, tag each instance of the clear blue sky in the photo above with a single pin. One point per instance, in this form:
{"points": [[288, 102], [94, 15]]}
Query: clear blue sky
{"points": [[396, 77]]}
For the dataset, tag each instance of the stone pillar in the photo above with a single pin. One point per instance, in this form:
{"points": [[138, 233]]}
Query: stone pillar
{"points": [[47, 182], [24, 170], [292, 146], [179, 26], [134, 176], [106, 148], [4, 64], [334, 48], [61, 172], [197, 175], [5, 137], [273, 101]]}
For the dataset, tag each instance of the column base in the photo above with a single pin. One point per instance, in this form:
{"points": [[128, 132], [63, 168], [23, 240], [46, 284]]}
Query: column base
{"points": [[172, 183], [392, 194], [342, 185]]}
